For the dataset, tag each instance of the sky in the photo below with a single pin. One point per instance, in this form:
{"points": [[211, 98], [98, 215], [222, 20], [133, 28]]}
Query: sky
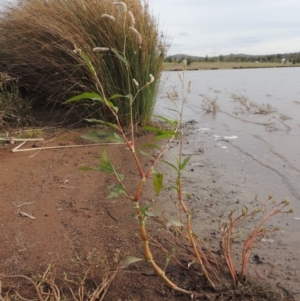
{"points": [[214, 27]]}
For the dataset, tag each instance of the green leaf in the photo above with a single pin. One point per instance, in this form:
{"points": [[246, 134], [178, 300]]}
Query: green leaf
{"points": [[125, 262], [106, 167], [144, 153], [120, 57], [184, 163], [118, 96], [86, 95], [105, 164], [171, 123], [97, 136], [89, 63], [164, 136], [117, 190], [103, 122], [87, 168], [118, 138], [149, 145], [116, 109], [158, 182], [145, 209], [170, 164], [159, 130]]}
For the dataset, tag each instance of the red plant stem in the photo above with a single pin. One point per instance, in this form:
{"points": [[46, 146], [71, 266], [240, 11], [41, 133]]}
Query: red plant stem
{"points": [[139, 190], [130, 144], [148, 254], [248, 245]]}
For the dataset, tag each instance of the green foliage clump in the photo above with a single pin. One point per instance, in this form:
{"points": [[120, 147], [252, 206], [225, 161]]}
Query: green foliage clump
{"points": [[38, 37]]}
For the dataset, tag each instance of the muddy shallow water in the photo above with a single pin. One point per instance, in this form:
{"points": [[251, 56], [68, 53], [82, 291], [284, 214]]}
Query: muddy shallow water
{"points": [[249, 147]]}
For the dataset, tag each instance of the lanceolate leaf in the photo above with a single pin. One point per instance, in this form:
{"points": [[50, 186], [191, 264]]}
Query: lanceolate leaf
{"points": [[117, 190], [151, 146], [185, 162], [116, 109], [118, 138], [158, 182], [88, 168], [144, 153], [89, 63], [120, 57], [171, 123], [103, 122], [119, 96], [97, 136], [86, 95], [164, 136], [170, 164], [159, 131]]}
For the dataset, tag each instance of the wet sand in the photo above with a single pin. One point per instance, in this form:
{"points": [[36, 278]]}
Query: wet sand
{"points": [[217, 188]]}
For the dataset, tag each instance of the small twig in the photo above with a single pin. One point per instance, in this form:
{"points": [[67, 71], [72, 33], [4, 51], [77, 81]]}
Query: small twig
{"points": [[67, 187], [28, 203], [24, 214], [116, 220]]}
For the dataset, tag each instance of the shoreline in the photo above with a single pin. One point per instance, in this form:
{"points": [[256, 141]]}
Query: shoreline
{"points": [[195, 66]]}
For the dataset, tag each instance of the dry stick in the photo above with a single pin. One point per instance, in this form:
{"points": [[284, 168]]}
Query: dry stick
{"points": [[1, 298], [16, 149], [103, 287], [36, 286]]}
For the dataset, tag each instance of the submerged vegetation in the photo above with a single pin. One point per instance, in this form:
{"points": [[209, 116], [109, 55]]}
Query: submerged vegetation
{"points": [[37, 42]]}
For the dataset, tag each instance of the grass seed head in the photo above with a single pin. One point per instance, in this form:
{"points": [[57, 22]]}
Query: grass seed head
{"points": [[132, 18], [100, 49], [121, 4], [135, 82], [110, 17], [151, 79], [139, 37]]}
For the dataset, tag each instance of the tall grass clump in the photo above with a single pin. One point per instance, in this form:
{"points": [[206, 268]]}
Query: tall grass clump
{"points": [[14, 110], [38, 38]]}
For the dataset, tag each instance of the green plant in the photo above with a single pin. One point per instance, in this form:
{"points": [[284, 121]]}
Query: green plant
{"points": [[173, 130]]}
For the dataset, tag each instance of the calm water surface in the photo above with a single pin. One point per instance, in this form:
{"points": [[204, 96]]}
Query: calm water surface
{"points": [[264, 152]]}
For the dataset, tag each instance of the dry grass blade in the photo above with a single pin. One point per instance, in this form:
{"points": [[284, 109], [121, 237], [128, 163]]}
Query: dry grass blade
{"points": [[102, 289], [51, 72], [46, 288]]}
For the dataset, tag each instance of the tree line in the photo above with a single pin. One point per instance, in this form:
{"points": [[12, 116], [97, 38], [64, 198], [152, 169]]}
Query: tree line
{"points": [[270, 58]]}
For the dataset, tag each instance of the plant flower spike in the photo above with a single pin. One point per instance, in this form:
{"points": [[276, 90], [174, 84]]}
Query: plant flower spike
{"points": [[121, 4], [103, 49]]}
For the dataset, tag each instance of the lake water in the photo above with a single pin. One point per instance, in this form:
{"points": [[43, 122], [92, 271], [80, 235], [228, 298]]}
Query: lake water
{"points": [[239, 153], [262, 148]]}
